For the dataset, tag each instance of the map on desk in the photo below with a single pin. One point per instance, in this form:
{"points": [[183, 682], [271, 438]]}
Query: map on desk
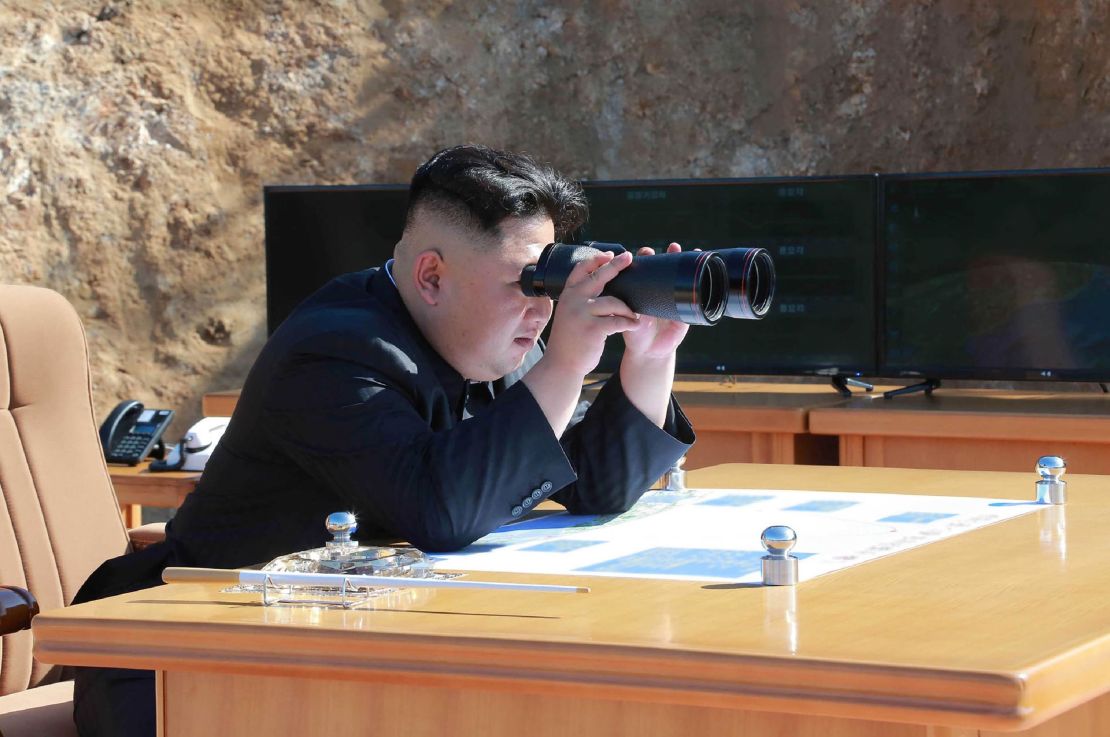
{"points": [[714, 534]]}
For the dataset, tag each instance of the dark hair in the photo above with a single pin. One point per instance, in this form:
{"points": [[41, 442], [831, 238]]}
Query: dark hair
{"points": [[481, 187]]}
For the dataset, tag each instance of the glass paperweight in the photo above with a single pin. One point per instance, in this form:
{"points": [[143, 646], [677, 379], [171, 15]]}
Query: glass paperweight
{"points": [[344, 555], [344, 561]]}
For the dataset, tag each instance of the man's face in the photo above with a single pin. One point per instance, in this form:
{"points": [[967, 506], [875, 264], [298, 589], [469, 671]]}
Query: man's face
{"points": [[486, 325]]}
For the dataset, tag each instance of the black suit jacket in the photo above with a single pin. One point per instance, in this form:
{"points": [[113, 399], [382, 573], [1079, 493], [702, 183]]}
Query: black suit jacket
{"points": [[348, 408]]}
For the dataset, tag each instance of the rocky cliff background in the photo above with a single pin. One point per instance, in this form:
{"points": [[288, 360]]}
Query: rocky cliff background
{"points": [[135, 137]]}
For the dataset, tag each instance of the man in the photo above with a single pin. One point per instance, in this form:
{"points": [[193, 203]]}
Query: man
{"points": [[417, 395]]}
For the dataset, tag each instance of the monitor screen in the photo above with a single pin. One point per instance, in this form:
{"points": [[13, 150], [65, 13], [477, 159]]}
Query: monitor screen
{"points": [[820, 233], [314, 234], [997, 276]]}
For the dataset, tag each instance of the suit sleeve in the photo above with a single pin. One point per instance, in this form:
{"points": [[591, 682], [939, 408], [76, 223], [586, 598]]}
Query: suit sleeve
{"points": [[365, 439], [619, 453]]}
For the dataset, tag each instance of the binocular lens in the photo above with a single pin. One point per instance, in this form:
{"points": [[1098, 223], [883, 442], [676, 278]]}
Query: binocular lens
{"points": [[695, 287], [706, 304], [751, 278]]}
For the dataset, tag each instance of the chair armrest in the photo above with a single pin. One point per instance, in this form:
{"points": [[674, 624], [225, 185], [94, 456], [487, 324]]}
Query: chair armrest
{"points": [[146, 535], [17, 608]]}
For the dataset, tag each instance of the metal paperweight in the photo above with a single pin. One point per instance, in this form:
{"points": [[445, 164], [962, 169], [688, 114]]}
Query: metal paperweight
{"points": [[780, 568], [1052, 489], [675, 478]]}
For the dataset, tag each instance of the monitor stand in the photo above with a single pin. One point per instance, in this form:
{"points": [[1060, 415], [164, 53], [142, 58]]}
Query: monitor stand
{"points": [[841, 384], [926, 386]]}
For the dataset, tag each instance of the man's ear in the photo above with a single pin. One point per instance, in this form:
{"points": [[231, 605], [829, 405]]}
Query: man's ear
{"points": [[427, 272]]}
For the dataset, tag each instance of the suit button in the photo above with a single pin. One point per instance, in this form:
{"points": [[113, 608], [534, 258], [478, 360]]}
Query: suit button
{"points": [[526, 502], [546, 486], [536, 494], [517, 511]]}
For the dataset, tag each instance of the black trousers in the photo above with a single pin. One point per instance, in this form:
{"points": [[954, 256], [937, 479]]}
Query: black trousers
{"points": [[114, 702]]}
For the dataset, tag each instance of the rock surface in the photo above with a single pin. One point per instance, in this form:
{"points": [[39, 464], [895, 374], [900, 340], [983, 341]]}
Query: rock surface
{"points": [[135, 136]]}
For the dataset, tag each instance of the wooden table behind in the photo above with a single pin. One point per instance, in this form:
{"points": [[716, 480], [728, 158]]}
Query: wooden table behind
{"points": [[758, 422], [755, 422], [966, 429], [969, 429], [736, 422], [136, 486]]}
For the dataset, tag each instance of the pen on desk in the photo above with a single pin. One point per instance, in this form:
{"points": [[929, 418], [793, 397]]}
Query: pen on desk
{"points": [[259, 578]]}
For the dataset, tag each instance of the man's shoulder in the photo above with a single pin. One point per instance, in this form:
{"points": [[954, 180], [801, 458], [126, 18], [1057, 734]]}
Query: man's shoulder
{"points": [[345, 302], [348, 319]]}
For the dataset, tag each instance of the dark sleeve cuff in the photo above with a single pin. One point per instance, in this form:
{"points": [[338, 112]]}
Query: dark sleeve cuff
{"points": [[676, 426], [619, 453]]}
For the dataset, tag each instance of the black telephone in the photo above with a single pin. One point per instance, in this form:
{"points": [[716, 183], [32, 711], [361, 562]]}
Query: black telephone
{"points": [[132, 432]]}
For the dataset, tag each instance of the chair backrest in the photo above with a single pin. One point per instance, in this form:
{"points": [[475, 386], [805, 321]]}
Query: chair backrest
{"points": [[59, 518]]}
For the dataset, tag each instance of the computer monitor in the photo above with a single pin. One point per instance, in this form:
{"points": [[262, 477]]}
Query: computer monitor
{"points": [[997, 275], [316, 233], [819, 231]]}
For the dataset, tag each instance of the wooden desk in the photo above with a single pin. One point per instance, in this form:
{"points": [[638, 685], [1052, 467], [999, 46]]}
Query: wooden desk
{"points": [[755, 422], [1003, 628], [219, 404], [811, 424], [136, 486], [986, 430], [735, 422]]}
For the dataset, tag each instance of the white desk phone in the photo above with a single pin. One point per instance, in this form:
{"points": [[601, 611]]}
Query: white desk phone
{"points": [[192, 453]]}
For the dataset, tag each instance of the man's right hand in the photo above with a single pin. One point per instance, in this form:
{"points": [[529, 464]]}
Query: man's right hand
{"points": [[583, 320]]}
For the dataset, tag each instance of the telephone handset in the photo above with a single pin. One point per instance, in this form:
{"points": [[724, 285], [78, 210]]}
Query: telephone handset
{"points": [[131, 432]]}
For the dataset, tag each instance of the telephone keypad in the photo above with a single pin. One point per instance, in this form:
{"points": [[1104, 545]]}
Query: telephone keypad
{"points": [[132, 447], [137, 443]]}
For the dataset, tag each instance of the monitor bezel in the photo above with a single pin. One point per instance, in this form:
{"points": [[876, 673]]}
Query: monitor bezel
{"points": [[278, 189], [973, 373]]}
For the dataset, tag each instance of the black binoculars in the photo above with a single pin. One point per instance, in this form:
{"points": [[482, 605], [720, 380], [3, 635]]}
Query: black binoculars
{"points": [[694, 287]]}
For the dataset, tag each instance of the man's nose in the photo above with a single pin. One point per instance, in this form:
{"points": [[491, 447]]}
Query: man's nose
{"points": [[540, 307]]}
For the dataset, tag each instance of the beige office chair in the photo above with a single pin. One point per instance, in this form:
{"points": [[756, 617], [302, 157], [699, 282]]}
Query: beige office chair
{"points": [[59, 518]]}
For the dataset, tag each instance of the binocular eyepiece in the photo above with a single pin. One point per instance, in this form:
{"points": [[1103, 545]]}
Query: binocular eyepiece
{"points": [[694, 287]]}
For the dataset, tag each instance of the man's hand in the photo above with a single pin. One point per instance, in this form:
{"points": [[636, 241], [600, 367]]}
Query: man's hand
{"points": [[647, 369], [583, 320], [653, 337]]}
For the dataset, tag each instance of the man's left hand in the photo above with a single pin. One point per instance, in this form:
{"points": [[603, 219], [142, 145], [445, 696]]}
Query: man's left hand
{"points": [[654, 337]]}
